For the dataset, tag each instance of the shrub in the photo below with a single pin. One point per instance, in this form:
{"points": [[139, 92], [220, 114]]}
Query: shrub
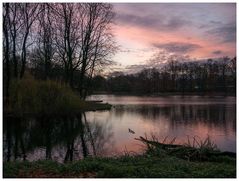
{"points": [[30, 96]]}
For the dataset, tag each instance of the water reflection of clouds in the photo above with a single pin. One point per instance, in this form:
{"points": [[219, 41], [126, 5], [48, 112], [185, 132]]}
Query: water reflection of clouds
{"points": [[179, 117]]}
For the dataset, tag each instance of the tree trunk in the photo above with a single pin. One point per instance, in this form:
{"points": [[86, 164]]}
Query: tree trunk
{"points": [[15, 60], [23, 56], [6, 34]]}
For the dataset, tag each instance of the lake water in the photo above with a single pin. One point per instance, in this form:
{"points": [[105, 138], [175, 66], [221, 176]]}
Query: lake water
{"points": [[106, 133]]}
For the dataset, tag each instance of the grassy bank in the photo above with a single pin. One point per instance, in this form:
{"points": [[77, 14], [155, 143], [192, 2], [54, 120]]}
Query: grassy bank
{"points": [[159, 161], [30, 96], [143, 166]]}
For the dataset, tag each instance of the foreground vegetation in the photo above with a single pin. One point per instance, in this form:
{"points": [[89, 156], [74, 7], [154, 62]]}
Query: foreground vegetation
{"points": [[30, 96], [156, 162], [147, 165]]}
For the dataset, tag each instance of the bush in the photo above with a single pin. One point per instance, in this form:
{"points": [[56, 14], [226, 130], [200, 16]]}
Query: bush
{"points": [[30, 96]]}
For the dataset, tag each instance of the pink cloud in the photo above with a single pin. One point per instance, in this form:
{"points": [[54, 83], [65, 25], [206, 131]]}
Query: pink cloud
{"points": [[216, 32]]}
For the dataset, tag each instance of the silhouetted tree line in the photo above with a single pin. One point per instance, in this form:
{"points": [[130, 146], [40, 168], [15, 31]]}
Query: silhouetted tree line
{"points": [[57, 39], [201, 76]]}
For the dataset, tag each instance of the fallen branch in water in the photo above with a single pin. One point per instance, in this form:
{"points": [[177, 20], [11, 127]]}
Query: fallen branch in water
{"points": [[156, 143], [186, 152]]}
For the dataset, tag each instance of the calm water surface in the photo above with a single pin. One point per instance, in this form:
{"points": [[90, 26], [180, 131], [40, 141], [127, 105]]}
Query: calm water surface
{"points": [[106, 132]]}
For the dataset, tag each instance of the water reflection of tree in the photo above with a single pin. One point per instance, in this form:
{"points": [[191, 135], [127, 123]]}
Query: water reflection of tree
{"points": [[23, 136], [102, 136], [14, 135], [220, 115]]}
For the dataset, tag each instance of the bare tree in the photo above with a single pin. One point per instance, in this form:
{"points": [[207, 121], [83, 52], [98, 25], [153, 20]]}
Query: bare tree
{"points": [[77, 35], [45, 48], [66, 26], [96, 40], [172, 65], [233, 69], [83, 39], [29, 14], [224, 66], [6, 26], [16, 24]]}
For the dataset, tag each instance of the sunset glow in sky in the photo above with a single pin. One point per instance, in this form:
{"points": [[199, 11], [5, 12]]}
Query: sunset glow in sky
{"points": [[188, 30]]}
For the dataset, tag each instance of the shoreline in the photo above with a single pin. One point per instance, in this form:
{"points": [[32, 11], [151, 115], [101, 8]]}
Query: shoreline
{"points": [[156, 163], [90, 106], [221, 94]]}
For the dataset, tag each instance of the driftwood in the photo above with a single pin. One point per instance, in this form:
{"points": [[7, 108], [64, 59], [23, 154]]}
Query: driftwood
{"points": [[191, 153], [158, 144]]}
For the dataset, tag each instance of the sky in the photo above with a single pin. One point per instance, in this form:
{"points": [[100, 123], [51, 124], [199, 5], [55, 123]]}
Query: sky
{"points": [[150, 34]]}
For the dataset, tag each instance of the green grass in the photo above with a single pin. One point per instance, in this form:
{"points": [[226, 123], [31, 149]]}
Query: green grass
{"points": [[141, 166], [30, 96]]}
